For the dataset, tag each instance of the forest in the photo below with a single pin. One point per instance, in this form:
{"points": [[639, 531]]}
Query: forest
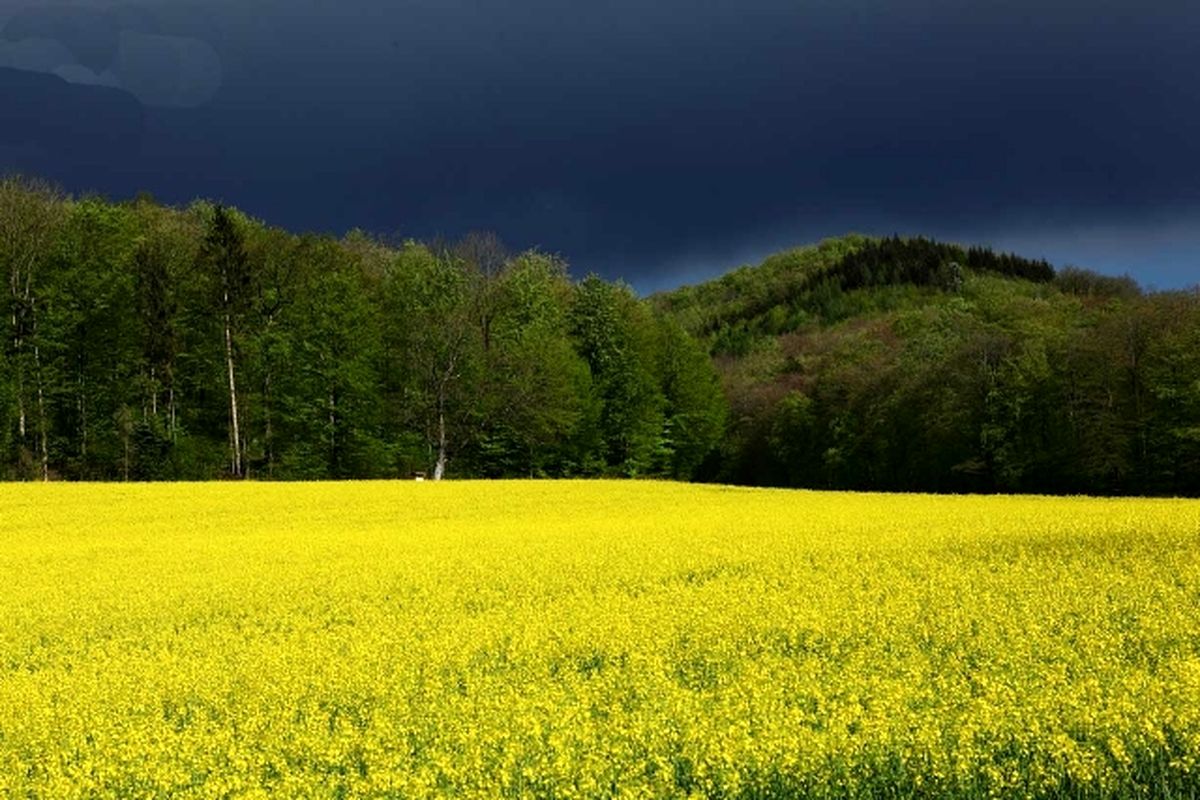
{"points": [[912, 365], [150, 343], [145, 342]]}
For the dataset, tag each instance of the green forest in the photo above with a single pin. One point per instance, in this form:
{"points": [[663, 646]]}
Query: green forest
{"points": [[145, 342], [912, 365], [151, 343]]}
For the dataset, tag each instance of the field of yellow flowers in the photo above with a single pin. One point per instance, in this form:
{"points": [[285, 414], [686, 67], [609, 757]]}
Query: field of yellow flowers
{"points": [[593, 639]]}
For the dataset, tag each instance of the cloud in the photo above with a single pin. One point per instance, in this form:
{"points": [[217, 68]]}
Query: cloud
{"points": [[168, 71], [35, 55], [74, 121], [89, 33], [79, 74], [118, 47]]}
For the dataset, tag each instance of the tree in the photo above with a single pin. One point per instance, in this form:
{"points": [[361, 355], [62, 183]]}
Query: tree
{"points": [[328, 398], [284, 268], [615, 335], [92, 337], [484, 257], [165, 249], [31, 213], [1173, 382], [536, 388], [223, 259], [695, 406], [432, 347]]}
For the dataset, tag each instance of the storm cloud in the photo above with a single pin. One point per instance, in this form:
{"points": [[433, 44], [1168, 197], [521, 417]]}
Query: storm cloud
{"points": [[75, 123], [659, 142], [119, 47]]}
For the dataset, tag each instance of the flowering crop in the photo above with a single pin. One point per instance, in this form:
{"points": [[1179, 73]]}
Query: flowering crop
{"points": [[593, 639]]}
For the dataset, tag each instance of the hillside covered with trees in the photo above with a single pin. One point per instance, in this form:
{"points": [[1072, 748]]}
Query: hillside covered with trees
{"points": [[907, 364], [150, 343]]}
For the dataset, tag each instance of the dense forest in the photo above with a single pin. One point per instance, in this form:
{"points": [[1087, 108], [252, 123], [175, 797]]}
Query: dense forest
{"points": [[148, 343], [151, 343], [908, 364]]}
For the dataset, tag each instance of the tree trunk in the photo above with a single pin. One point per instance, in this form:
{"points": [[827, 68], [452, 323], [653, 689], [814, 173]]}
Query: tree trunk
{"points": [[269, 430], [21, 423], [334, 466], [18, 323], [41, 404], [171, 412], [153, 393], [81, 408], [169, 374], [439, 468], [43, 435], [235, 434]]}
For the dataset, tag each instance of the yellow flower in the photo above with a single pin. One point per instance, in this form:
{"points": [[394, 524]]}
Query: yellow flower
{"points": [[590, 639]]}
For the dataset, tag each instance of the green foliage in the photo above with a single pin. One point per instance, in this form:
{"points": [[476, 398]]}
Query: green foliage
{"points": [[348, 358], [325, 350], [1087, 283], [860, 363], [538, 394], [825, 283], [8, 412], [980, 377], [614, 334], [223, 257], [432, 348], [695, 409]]}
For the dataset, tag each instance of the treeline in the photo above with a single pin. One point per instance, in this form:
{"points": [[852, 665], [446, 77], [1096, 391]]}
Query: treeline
{"points": [[924, 262], [952, 370], [796, 287], [151, 343], [148, 343]]}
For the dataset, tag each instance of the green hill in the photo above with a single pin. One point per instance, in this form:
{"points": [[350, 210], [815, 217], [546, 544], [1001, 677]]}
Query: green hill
{"points": [[911, 364]]}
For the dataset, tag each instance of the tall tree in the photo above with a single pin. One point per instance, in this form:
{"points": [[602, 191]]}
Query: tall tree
{"points": [[536, 388], [223, 258], [31, 213], [281, 264], [694, 414], [615, 335], [92, 333], [433, 347], [165, 250], [484, 257], [328, 401]]}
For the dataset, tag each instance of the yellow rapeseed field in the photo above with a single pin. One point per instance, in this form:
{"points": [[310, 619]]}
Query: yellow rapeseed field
{"points": [[593, 639]]}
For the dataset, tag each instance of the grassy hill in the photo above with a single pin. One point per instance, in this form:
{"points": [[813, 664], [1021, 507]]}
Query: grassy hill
{"points": [[915, 364]]}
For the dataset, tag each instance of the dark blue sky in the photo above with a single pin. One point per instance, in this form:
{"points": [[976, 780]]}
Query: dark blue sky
{"points": [[660, 142]]}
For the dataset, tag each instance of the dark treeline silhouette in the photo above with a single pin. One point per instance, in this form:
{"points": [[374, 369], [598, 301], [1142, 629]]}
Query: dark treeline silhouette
{"points": [[924, 262], [149, 343]]}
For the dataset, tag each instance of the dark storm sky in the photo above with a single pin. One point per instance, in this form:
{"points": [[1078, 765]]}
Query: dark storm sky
{"points": [[662, 142]]}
